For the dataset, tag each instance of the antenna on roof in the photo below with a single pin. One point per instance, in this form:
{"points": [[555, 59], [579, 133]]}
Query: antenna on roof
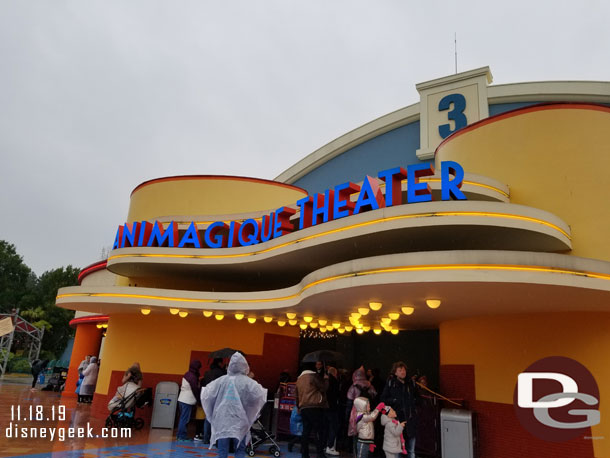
{"points": [[455, 47]]}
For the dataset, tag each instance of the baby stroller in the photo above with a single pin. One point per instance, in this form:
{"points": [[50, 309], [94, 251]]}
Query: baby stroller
{"points": [[123, 413], [260, 435]]}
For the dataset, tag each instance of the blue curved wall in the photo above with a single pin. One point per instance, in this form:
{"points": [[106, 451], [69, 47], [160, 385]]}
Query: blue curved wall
{"points": [[394, 148]]}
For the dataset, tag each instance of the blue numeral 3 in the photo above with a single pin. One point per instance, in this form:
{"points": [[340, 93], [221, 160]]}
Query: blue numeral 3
{"points": [[457, 114]]}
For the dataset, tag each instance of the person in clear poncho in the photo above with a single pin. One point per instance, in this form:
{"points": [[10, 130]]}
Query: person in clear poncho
{"points": [[232, 404]]}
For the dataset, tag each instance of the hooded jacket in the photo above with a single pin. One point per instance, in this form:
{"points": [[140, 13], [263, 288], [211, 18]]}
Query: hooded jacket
{"points": [[364, 419], [360, 386], [233, 402], [189, 391], [391, 435]]}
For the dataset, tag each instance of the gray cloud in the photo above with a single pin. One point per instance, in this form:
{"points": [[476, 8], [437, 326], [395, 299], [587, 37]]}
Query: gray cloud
{"points": [[98, 96]]}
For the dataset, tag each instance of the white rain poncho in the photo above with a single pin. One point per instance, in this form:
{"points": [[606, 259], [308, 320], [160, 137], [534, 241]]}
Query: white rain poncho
{"points": [[233, 402]]}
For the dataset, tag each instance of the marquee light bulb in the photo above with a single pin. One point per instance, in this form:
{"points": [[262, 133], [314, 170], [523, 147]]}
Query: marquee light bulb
{"points": [[307, 319], [268, 319], [251, 319], [375, 306], [292, 322], [207, 313], [174, 311], [322, 322], [355, 315], [183, 314], [290, 315], [303, 326], [407, 310], [433, 303], [219, 316], [145, 311], [386, 320], [336, 325], [377, 331], [394, 331], [359, 331], [313, 325], [323, 329], [105, 325], [239, 316], [364, 311], [99, 326], [366, 328], [394, 315], [349, 328], [340, 330], [281, 323]]}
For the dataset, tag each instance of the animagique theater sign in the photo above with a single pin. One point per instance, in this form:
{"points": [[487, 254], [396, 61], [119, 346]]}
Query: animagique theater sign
{"points": [[315, 209]]}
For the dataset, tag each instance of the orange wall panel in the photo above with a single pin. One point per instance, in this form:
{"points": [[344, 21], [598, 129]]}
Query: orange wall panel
{"points": [[500, 348], [86, 342]]}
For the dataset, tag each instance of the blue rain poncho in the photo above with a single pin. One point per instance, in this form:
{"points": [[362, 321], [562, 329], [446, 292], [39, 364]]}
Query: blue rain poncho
{"points": [[233, 402]]}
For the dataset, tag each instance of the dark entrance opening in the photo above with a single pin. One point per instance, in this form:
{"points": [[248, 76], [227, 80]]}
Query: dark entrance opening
{"points": [[418, 349]]}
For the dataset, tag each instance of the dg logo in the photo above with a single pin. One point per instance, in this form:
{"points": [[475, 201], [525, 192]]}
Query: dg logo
{"points": [[557, 399]]}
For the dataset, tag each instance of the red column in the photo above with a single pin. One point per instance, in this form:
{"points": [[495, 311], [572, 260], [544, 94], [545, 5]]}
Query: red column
{"points": [[86, 342]]}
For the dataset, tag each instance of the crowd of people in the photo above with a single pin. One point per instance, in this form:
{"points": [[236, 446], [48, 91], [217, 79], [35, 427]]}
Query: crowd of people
{"points": [[334, 410], [339, 415]]}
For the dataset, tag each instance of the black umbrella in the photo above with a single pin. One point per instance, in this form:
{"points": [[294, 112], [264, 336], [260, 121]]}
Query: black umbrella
{"points": [[322, 355], [223, 353]]}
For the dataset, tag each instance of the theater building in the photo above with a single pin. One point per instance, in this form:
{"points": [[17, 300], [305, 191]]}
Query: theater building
{"points": [[474, 223]]}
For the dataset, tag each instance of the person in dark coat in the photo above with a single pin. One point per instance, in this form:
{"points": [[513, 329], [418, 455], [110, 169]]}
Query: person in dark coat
{"points": [[37, 367], [401, 394], [332, 413], [188, 398], [215, 371]]}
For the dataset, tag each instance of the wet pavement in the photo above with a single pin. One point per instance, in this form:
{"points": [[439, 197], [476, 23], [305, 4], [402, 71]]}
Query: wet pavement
{"points": [[45, 413]]}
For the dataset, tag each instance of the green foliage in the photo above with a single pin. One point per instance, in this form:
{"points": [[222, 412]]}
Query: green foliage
{"points": [[19, 364], [35, 297], [58, 318], [15, 278]]}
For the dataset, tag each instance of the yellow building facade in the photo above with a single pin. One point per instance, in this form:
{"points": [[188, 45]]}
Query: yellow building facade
{"points": [[521, 265]]}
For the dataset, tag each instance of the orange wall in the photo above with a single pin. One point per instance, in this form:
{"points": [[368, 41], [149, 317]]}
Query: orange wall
{"points": [[501, 347], [555, 158], [86, 342], [162, 343]]}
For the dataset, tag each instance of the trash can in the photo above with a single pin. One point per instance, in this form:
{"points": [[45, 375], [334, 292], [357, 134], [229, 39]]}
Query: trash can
{"points": [[164, 408], [457, 433]]}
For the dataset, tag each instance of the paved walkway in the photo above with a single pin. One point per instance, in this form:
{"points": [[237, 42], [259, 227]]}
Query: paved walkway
{"points": [[40, 414]]}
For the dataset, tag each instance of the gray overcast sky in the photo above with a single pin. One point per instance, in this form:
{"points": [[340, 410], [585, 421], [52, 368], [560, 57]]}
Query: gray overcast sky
{"points": [[98, 96]]}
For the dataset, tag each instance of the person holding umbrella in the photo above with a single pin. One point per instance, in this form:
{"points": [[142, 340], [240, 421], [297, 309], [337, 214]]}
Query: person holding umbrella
{"points": [[311, 402]]}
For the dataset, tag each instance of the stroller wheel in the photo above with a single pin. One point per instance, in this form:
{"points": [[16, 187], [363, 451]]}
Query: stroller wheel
{"points": [[138, 424], [274, 451], [250, 450]]}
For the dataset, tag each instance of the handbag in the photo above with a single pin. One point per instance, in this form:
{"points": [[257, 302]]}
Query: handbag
{"points": [[296, 423]]}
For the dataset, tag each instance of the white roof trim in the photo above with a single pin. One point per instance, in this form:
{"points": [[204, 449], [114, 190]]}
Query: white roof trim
{"points": [[542, 91]]}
